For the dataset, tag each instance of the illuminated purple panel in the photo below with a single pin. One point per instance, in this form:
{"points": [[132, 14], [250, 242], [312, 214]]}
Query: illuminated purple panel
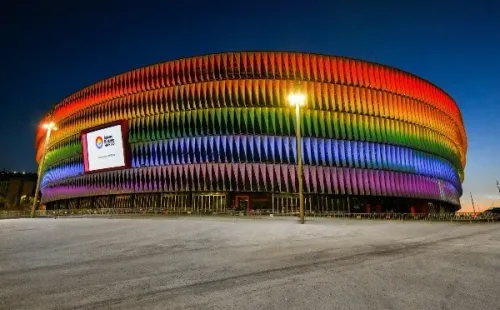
{"points": [[226, 176], [360, 188], [395, 181], [348, 178], [283, 172], [293, 177], [175, 177], [152, 178], [313, 179], [408, 181], [222, 176], [182, 180], [190, 175], [416, 184], [201, 173], [198, 178], [271, 177], [360, 183], [365, 179], [236, 177], [251, 174], [371, 182], [404, 185], [380, 181], [211, 173], [166, 182], [393, 184], [388, 180], [353, 181], [263, 173], [338, 183], [351, 177], [321, 179], [307, 179], [239, 172], [257, 168], [328, 180], [342, 181], [408, 185], [421, 188]]}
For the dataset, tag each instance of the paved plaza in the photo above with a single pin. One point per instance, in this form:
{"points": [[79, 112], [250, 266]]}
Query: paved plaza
{"points": [[211, 263]]}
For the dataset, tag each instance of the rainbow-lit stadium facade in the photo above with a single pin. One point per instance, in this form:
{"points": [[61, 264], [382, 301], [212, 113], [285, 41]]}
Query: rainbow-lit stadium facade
{"points": [[209, 133]]}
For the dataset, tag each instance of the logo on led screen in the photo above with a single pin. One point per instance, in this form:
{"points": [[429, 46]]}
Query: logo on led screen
{"points": [[98, 142], [107, 141]]}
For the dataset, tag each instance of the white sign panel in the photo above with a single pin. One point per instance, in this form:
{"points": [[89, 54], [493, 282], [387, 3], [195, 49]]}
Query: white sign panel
{"points": [[105, 149]]}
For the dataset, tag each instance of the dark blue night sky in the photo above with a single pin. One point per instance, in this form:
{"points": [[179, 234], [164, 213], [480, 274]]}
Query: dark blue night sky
{"points": [[53, 50]]}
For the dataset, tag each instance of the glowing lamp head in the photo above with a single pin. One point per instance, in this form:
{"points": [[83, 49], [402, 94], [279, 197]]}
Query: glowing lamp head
{"points": [[297, 99], [50, 125]]}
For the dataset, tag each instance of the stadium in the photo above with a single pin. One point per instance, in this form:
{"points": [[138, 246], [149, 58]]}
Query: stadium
{"points": [[215, 133]]}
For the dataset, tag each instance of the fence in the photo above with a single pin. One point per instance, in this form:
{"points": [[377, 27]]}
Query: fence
{"points": [[162, 212]]}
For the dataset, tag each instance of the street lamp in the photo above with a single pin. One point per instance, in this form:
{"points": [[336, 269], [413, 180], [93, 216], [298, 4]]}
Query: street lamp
{"points": [[298, 99], [49, 127]]}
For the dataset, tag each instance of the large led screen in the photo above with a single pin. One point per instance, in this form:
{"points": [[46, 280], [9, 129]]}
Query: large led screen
{"points": [[105, 148]]}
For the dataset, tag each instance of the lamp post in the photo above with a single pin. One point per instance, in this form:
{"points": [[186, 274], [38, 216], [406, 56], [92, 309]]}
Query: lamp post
{"points": [[298, 99], [49, 127]]}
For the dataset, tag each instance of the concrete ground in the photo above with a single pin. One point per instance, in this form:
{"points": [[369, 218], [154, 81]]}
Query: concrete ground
{"points": [[247, 264]]}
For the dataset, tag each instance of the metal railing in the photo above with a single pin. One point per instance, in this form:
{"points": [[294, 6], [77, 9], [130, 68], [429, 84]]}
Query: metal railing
{"points": [[158, 212]]}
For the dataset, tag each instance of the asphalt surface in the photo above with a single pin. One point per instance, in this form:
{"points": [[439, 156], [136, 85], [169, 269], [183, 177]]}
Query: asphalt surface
{"points": [[247, 264]]}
